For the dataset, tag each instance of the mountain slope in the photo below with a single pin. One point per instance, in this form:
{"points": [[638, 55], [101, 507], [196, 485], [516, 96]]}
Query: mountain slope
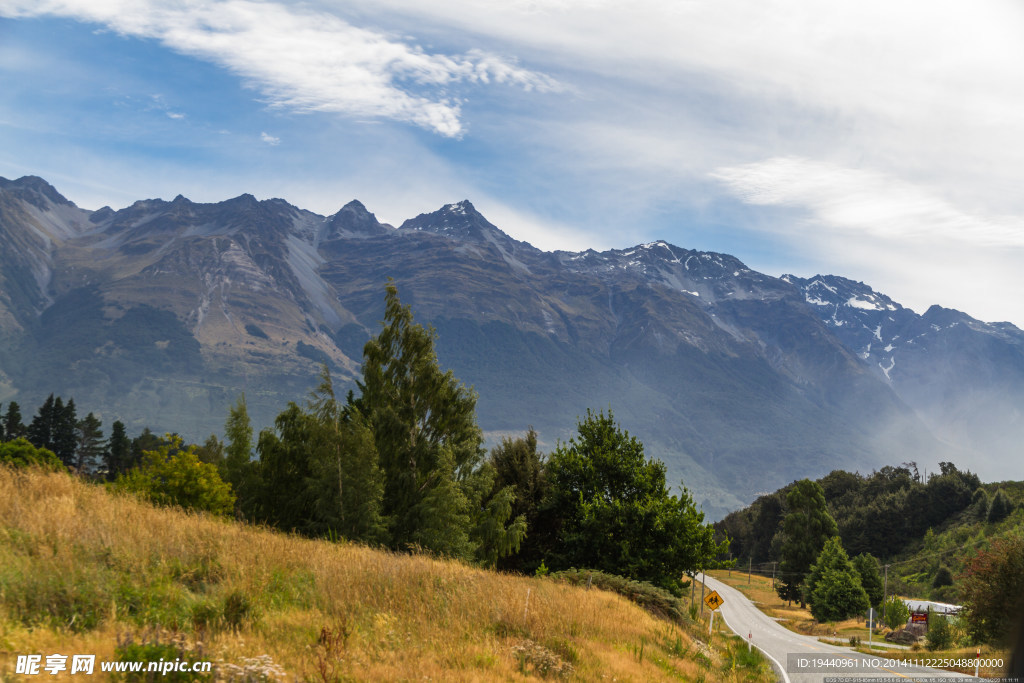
{"points": [[160, 313], [964, 377]]}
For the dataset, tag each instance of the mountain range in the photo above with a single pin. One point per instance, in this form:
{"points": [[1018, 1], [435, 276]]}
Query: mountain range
{"points": [[161, 313]]}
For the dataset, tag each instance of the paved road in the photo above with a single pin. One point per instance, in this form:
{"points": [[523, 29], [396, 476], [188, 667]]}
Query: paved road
{"points": [[778, 643]]}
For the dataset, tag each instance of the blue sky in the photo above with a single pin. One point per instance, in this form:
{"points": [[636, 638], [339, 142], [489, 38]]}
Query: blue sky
{"points": [[882, 141]]}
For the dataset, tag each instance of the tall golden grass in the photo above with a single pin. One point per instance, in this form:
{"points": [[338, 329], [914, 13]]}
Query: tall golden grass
{"points": [[82, 569]]}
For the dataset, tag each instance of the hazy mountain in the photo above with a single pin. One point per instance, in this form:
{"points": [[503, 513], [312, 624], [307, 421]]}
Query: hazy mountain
{"points": [[964, 377], [160, 313]]}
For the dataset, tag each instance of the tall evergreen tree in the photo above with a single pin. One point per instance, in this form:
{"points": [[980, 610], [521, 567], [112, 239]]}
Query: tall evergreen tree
{"points": [[89, 447], [238, 468], [118, 451], [65, 431], [425, 432], [869, 571], [518, 464], [13, 428], [283, 498], [806, 528], [833, 586], [40, 430], [348, 483], [3, 430]]}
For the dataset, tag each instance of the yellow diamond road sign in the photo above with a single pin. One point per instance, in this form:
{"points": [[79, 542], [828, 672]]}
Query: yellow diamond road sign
{"points": [[713, 600]]}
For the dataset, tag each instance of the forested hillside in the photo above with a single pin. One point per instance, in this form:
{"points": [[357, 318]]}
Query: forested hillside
{"points": [[926, 527]]}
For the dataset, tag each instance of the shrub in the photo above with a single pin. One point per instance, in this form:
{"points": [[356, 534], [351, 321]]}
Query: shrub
{"points": [[895, 613], [654, 599], [940, 633], [172, 475], [21, 453]]}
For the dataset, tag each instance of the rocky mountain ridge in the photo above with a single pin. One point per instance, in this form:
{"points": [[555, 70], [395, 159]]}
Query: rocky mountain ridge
{"points": [[162, 312]]}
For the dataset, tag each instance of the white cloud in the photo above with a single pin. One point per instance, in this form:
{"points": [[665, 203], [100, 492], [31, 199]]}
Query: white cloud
{"points": [[867, 203], [303, 60], [270, 139], [903, 239]]}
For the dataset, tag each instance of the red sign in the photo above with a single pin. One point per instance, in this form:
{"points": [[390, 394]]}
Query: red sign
{"points": [[919, 618]]}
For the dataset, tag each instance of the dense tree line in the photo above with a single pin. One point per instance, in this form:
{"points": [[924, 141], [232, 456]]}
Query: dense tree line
{"points": [[400, 463], [77, 443], [880, 513]]}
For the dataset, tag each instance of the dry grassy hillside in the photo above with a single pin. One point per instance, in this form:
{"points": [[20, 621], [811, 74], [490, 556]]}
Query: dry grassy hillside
{"points": [[83, 571]]}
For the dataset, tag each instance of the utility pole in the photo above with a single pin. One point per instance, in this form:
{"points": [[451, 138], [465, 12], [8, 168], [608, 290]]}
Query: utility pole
{"points": [[773, 575], [750, 563], [885, 591], [702, 577]]}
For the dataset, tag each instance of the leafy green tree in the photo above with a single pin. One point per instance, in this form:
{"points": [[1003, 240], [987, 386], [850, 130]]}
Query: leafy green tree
{"points": [[425, 432], [518, 465], [869, 571], [13, 428], [118, 452], [21, 453], [992, 586], [806, 528], [833, 586], [895, 612], [174, 475], [90, 445], [212, 453], [940, 632], [614, 512]]}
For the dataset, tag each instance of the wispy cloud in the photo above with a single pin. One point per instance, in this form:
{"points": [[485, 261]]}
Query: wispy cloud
{"points": [[304, 60], [866, 202], [270, 139]]}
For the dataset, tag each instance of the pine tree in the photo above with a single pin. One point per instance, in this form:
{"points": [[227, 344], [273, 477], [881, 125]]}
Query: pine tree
{"points": [[13, 428], [118, 451], [40, 430], [89, 447], [3, 431], [868, 569], [65, 431], [1000, 507], [806, 528], [833, 586]]}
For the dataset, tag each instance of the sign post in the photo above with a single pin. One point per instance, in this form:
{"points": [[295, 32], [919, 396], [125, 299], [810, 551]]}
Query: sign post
{"points": [[713, 600], [871, 624]]}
